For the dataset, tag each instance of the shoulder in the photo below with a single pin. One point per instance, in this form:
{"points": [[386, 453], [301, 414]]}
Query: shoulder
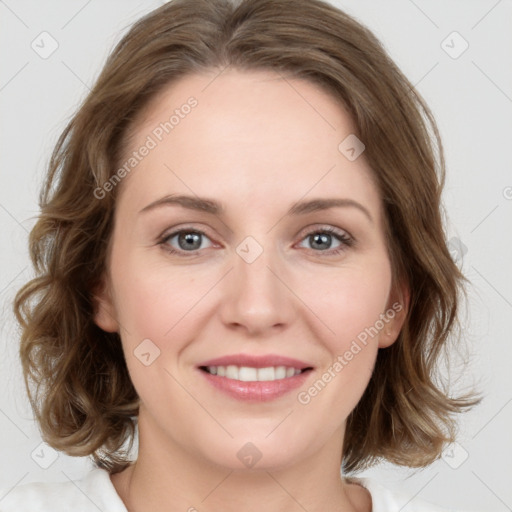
{"points": [[385, 500], [91, 493]]}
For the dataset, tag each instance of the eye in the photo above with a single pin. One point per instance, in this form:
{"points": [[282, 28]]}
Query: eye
{"points": [[321, 240], [187, 240]]}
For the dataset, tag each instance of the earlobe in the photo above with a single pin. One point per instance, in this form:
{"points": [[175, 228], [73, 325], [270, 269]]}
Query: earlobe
{"points": [[396, 313], [104, 311]]}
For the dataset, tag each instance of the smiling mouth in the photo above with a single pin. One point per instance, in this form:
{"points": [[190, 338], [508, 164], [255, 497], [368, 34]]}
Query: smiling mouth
{"points": [[251, 374]]}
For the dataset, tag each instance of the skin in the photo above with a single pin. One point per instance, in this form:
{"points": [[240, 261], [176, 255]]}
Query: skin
{"points": [[257, 143]]}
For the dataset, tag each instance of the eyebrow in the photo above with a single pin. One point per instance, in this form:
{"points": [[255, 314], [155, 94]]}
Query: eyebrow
{"points": [[216, 208]]}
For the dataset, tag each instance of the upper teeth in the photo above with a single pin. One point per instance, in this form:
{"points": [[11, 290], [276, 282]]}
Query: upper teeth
{"points": [[247, 373]]}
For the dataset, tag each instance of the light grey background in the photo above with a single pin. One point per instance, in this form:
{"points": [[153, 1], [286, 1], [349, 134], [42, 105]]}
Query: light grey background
{"points": [[471, 96]]}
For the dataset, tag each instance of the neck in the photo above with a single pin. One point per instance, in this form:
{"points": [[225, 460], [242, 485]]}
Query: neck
{"points": [[173, 479]]}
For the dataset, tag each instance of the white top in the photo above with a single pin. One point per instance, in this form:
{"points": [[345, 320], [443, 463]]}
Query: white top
{"points": [[95, 492]]}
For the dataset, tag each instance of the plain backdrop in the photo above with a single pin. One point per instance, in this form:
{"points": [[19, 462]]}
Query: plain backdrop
{"points": [[457, 53]]}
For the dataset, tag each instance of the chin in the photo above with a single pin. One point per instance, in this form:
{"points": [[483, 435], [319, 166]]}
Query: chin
{"points": [[259, 453]]}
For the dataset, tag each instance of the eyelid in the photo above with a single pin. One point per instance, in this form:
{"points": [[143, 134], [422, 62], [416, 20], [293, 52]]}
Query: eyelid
{"points": [[172, 232], [313, 228], [344, 237], [304, 231]]}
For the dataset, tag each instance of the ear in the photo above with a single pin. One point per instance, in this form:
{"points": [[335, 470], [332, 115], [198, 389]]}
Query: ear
{"points": [[104, 310], [395, 314]]}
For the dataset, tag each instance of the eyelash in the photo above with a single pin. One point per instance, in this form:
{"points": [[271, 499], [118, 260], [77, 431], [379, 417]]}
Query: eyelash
{"points": [[346, 241]]}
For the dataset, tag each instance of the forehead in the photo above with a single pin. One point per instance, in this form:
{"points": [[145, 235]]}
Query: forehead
{"points": [[249, 136]]}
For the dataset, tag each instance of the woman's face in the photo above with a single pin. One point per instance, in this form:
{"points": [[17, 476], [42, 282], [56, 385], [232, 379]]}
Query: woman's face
{"points": [[260, 322]]}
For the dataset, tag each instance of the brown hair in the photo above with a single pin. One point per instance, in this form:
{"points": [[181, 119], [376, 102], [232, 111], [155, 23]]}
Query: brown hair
{"points": [[75, 373]]}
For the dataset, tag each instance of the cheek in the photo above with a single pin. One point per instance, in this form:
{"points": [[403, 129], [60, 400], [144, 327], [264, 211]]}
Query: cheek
{"points": [[348, 301], [155, 309], [159, 308], [351, 309], [151, 301]]}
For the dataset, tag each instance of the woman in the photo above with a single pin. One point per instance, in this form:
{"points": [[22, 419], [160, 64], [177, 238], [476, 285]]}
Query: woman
{"points": [[241, 258]]}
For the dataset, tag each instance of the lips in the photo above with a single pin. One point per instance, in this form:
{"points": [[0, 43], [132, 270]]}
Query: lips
{"points": [[250, 374], [257, 361], [255, 378]]}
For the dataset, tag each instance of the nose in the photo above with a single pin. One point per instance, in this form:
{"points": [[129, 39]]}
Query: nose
{"points": [[257, 298]]}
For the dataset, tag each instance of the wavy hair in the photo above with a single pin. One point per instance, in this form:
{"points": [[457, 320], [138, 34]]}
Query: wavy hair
{"points": [[75, 373]]}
